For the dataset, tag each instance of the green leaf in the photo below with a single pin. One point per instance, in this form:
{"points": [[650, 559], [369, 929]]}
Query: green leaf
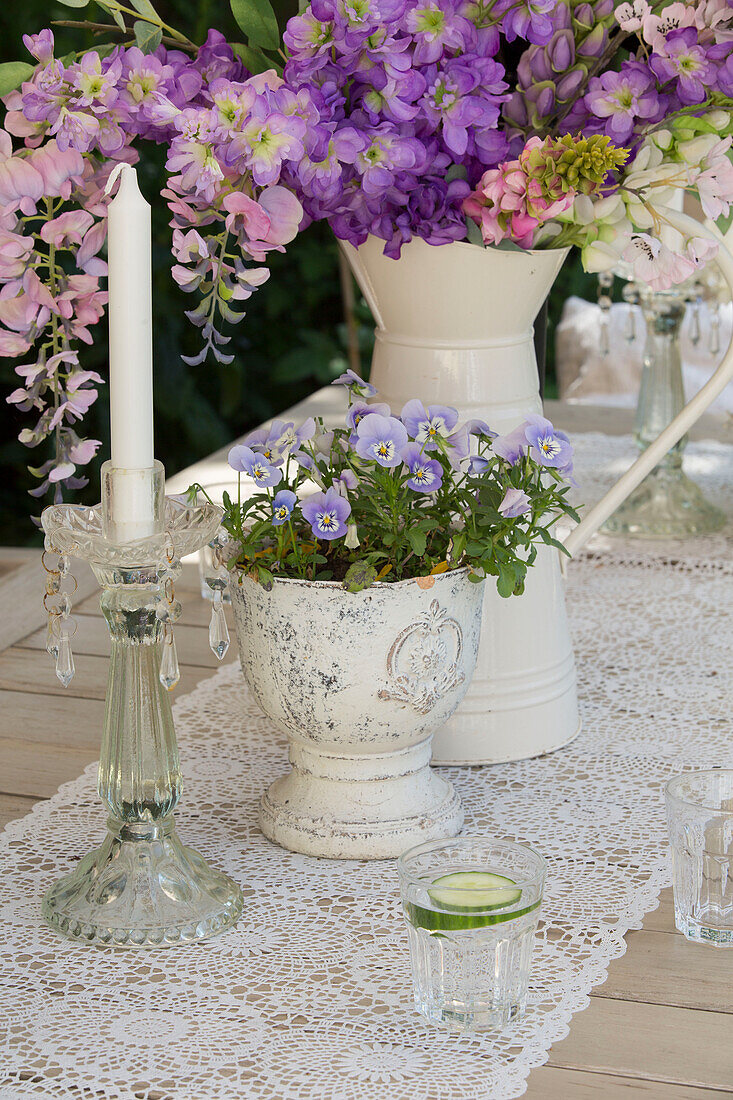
{"points": [[254, 59], [506, 582], [113, 10], [75, 3], [147, 36], [257, 19], [360, 575], [12, 75], [145, 8], [473, 233], [417, 540]]}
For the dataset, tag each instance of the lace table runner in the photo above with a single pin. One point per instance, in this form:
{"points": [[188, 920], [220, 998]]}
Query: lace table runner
{"points": [[309, 997]]}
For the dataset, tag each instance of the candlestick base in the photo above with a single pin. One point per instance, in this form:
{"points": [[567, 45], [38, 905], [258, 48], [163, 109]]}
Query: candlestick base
{"points": [[142, 888]]}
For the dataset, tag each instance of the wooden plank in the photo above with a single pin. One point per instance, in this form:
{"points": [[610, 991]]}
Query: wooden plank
{"points": [[71, 723], [38, 770], [661, 919], [652, 1042], [22, 581], [32, 670], [92, 637], [13, 806], [668, 970], [551, 1083]]}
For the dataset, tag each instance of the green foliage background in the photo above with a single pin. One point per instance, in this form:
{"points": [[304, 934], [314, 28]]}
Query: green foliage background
{"points": [[291, 342]]}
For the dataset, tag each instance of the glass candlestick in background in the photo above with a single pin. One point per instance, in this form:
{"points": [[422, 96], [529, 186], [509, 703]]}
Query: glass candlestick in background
{"points": [[667, 504]]}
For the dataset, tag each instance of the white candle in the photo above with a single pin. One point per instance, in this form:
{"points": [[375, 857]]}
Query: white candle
{"points": [[131, 502], [130, 324]]}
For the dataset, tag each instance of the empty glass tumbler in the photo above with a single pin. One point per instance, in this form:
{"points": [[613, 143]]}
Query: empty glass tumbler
{"points": [[700, 818], [472, 906]]}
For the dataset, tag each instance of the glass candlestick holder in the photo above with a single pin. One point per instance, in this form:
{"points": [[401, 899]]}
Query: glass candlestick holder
{"points": [[142, 887], [667, 504]]}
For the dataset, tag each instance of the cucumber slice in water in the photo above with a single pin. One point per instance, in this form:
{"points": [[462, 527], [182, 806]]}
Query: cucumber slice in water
{"points": [[482, 890], [457, 894]]}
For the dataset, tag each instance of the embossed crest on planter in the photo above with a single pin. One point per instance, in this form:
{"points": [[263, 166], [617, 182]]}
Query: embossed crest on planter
{"points": [[424, 662]]}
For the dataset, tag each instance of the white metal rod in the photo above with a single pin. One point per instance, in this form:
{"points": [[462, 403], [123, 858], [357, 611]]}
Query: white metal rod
{"points": [[682, 423]]}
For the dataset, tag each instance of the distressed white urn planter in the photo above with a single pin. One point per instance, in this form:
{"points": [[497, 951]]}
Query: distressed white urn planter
{"points": [[358, 682]]}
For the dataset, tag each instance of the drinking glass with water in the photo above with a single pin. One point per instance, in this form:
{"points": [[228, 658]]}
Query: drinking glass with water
{"points": [[472, 907]]}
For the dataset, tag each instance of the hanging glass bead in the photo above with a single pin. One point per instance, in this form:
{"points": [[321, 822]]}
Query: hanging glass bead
{"points": [[218, 629], [52, 636], [714, 343], [64, 657], [695, 323], [170, 673], [605, 283]]}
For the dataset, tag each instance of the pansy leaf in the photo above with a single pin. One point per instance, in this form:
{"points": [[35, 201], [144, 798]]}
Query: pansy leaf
{"points": [[12, 75], [147, 37], [360, 575], [417, 540], [257, 19], [254, 60]]}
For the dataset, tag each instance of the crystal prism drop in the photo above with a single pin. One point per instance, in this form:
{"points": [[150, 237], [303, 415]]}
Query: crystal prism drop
{"points": [[630, 326], [695, 326], [52, 640], [65, 659], [218, 629], [169, 672], [604, 343]]}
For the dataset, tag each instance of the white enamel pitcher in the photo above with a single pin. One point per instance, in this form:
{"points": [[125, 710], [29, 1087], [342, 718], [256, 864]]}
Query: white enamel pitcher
{"points": [[454, 327]]}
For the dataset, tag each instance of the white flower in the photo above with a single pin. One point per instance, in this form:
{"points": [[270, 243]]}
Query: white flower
{"points": [[714, 180], [701, 250], [631, 16], [352, 536], [599, 256], [655, 264], [672, 18], [693, 151]]}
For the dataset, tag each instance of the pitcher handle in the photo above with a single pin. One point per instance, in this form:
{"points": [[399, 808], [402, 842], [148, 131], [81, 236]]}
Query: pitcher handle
{"points": [[682, 423]]}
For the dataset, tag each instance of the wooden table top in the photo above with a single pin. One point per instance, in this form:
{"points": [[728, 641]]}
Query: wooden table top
{"points": [[660, 1027]]}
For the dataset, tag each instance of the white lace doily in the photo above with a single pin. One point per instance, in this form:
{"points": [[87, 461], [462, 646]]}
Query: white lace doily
{"points": [[309, 997]]}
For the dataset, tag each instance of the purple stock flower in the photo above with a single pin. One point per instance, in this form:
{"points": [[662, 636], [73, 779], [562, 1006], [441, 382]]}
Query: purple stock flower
{"points": [[426, 474], [381, 438], [622, 99], [514, 503], [551, 447], [327, 514], [678, 56], [245, 461], [351, 379], [282, 506], [426, 426]]}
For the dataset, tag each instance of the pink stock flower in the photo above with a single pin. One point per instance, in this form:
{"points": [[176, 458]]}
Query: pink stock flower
{"points": [[499, 206]]}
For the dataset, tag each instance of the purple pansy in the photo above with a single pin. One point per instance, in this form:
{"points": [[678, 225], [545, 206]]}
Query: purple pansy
{"points": [[246, 461], [327, 514], [359, 410], [550, 447], [381, 438], [514, 503], [351, 379], [426, 474], [512, 446], [282, 506], [426, 426]]}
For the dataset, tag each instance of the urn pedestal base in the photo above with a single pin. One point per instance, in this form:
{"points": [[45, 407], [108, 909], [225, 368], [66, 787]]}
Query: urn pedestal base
{"points": [[359, 807]]}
